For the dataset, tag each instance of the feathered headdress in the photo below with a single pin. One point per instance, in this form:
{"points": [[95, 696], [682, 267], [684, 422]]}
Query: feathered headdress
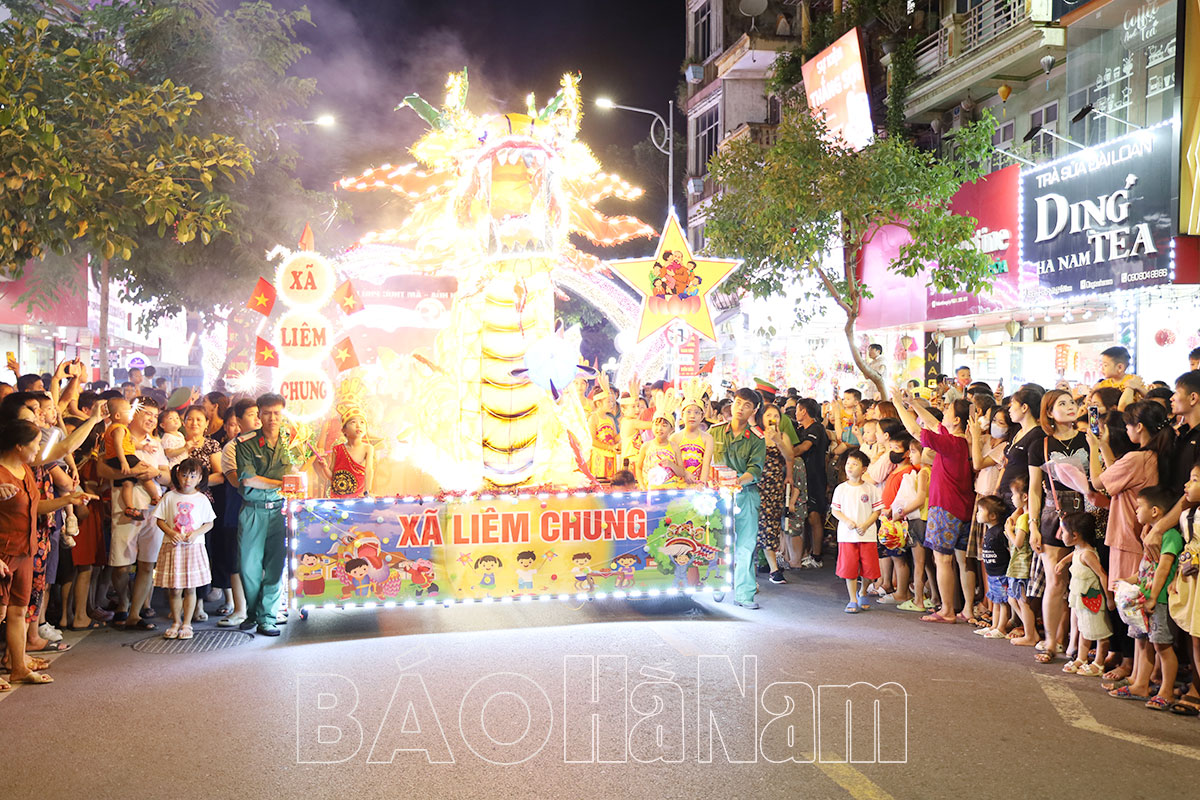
{"points": [[693, 394]]}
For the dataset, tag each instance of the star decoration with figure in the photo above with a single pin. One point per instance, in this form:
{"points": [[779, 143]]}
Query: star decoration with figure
{"points": [[674, 284]]}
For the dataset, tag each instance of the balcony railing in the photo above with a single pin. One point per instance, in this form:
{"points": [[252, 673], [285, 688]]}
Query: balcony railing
{"points": [[980, 25], [760, 133]]}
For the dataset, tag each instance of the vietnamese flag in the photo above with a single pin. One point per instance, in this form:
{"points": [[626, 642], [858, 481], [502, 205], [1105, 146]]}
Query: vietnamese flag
{"points": [[344, 355], [263, 298], [347, 298], [265, 354]]}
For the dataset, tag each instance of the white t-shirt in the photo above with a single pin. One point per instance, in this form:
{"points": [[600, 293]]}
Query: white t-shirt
{"points": [[185, 512], [856, 503], [174, 441]]}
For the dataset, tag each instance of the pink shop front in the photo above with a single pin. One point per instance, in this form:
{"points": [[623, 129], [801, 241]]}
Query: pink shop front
{"points": [[1044, 321]]}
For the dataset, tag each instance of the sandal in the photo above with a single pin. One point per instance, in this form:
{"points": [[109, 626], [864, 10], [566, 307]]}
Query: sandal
{"points": [[936, 618], [52, 647], [1183, 708], [200, 615], [1090, 670], [34, 678], [1044, 658], [171, 632], [1117, 684], [1123, 693], [225, 610], [992, 633], [1071, 667], [5, 686], [851, 608], [1157, 703], [185, 632]]}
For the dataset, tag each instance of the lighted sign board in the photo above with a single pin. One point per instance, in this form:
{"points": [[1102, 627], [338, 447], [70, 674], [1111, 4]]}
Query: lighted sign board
{"points": [[1100, 219], [836, 84]]}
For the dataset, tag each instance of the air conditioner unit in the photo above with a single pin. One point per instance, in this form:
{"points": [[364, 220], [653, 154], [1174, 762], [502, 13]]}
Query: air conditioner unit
{"points": [[694, 73], [695, 185]]}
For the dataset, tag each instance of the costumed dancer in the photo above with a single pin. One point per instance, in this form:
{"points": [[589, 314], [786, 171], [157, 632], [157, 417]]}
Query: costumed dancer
{"points": [[353, 469], [738, 447], [695, 446], [658, 465], [603, 425], [262, 461]]}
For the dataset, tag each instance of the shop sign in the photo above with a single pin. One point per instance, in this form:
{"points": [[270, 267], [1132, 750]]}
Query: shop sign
{"points": [[992, 201], [1100, 219]]}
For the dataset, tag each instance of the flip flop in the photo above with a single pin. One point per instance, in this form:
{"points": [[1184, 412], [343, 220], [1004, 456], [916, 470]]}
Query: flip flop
{"points": [[1117, 684], [992, 633], [35, 678], [863, 606], [851, 608], [1123, 693], [1181, 707], [937, 618], [1044, 658], [91, 626], [5, 686], [1157, 703], [52, 647], [141, 625]]}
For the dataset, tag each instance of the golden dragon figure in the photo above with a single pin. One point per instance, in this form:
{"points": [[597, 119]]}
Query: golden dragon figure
{"points": [[495, 201]]}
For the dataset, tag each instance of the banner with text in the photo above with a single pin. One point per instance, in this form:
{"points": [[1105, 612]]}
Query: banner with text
{"points": [[360, 551], [1100, 219]]}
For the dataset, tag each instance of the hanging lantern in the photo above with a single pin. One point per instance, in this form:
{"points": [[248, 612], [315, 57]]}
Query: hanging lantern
{"points": [[1013, 328], [1004, 91], [938, 337], [906, 342], [973, 333]]}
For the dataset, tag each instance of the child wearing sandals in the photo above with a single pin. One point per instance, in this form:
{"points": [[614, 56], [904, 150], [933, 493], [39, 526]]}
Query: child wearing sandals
{"points": [[1088, 593], [995, 564], [1020, 561], [1154, 578], [856, 506], [1185, 593], [184, 516]]}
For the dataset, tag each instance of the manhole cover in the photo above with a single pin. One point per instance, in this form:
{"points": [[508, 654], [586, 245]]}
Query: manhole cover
{"points": [[202, 642]]}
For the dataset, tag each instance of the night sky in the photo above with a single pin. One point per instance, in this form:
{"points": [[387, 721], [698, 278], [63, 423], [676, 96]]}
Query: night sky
{"points": [[368, 54]]}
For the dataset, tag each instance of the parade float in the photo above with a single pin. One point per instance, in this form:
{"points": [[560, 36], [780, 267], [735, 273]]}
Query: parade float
{"points": [[441, 334]]}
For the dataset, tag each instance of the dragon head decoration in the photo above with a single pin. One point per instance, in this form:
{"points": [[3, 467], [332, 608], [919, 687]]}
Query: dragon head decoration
{"points": [[520, 182]]}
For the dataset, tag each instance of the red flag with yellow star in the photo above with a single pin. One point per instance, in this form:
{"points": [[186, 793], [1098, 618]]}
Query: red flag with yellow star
{"points": [[347, 298], [265, 354], [674, 283], [262, 299], [344, 355]]}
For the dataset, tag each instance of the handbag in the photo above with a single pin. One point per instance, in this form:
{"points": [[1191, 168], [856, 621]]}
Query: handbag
{"points": [[1075, 498]]}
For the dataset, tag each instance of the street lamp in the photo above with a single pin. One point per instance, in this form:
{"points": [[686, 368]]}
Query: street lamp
{"points": [[658, 127], [1036, 129], [325, 121], [1091, 109]]}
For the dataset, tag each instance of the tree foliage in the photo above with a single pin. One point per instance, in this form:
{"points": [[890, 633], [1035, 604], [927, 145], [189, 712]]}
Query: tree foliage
{"points": [[91, 157], [239, 59], [782, 207]]}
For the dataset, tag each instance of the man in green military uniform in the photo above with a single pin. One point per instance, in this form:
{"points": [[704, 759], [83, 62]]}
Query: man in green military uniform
{"points": [[738, 446], [262, 461]]}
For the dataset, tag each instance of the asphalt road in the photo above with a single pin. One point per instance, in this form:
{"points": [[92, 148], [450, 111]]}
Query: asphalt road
{"points": [[503, 699]]}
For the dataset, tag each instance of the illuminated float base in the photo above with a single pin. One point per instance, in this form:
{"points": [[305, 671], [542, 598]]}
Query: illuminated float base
{"points": [[503, 548]]}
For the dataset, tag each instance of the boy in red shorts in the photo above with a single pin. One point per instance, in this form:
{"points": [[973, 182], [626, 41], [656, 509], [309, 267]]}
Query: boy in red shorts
{"points": [[856, 506]]}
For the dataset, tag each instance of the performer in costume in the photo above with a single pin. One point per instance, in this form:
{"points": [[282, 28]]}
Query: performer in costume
{"points": [[605, 440], [738, 447], [262, 461], [353, 469], [695, 446], [658, 465]]}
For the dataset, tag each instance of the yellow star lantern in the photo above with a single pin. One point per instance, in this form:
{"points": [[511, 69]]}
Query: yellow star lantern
{"points": [[674, 284]]}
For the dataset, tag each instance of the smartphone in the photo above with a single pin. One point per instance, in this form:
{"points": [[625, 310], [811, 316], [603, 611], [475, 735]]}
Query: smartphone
{"points": [[1094, 419]]}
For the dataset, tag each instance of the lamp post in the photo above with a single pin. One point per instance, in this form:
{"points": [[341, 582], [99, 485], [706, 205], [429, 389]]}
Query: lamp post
{"points": [[658, 126], [1038, 129]]}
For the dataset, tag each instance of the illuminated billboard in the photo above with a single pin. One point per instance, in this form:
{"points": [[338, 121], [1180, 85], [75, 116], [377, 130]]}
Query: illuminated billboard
{"points": [[835, 83]]}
